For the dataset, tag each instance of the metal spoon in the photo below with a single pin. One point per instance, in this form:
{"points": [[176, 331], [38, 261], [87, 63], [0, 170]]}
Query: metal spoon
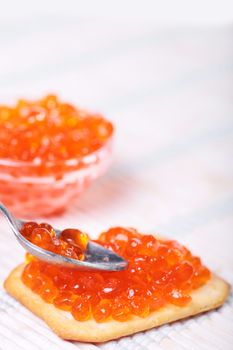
{"points": [[96, 257]]}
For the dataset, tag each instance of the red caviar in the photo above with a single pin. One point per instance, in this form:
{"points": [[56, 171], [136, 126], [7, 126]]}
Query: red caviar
{"points": [[71, 242], [159, 272], [49, 131], [50, 151]]}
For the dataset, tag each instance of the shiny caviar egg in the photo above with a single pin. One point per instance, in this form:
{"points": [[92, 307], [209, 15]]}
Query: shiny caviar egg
{"points": [[81, 309], [159, 272], [75, 237], [49, 228], [27, 228], [65, 300], [41, 237], [102, 311]]}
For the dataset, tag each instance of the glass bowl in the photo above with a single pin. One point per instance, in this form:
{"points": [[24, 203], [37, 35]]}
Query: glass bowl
{"points": [[27, 194]]}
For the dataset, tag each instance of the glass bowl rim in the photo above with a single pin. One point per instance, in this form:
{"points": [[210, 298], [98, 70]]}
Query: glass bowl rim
{"points": [[85, 160]]}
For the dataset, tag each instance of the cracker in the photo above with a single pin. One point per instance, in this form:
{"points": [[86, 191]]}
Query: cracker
{"points": [[210, 296]]}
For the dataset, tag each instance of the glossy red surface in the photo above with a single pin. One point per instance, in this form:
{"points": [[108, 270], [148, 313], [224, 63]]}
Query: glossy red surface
{"points": [[49, 153], [159, 272]]}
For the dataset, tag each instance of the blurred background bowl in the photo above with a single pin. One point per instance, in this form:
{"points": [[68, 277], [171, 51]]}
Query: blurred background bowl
{"points": [[29, 195]]}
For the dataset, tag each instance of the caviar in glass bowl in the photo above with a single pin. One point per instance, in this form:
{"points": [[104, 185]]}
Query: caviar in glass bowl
{"points": [[49, 153]]}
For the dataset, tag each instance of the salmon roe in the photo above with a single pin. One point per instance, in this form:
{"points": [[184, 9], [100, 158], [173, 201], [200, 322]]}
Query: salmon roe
{"points": [[71, 243], [49, 131], [159, 272], [50, 151]]}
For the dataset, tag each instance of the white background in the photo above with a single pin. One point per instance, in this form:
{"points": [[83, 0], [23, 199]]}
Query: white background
{"points": [[166, 11]]}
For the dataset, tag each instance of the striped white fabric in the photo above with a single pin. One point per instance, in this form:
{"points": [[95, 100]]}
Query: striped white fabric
{"points": [[169, 94]]}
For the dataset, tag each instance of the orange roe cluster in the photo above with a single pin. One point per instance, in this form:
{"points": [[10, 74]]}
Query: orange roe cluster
{"points": [[159, 272], [71, 243], [48, 131]]}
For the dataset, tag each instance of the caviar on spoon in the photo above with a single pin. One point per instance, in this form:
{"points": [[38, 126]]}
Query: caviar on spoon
{"points": [[70, 247]]}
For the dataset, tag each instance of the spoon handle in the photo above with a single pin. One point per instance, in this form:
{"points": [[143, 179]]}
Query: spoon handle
{"points": [[10, 219]]}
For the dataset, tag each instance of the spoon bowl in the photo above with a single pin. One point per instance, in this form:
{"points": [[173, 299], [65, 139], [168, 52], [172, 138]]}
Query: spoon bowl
{"points": [[96, 256]]}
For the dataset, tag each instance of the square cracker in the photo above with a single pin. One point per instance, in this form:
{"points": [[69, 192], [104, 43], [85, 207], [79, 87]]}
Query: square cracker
{"points": [[210, 296]]}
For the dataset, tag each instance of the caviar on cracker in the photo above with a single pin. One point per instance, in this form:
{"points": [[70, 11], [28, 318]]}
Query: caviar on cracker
{"points": [[160, 272]]}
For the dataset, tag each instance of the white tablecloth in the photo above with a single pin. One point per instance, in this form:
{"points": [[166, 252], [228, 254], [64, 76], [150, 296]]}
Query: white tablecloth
{"points": [[169, 93]]}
